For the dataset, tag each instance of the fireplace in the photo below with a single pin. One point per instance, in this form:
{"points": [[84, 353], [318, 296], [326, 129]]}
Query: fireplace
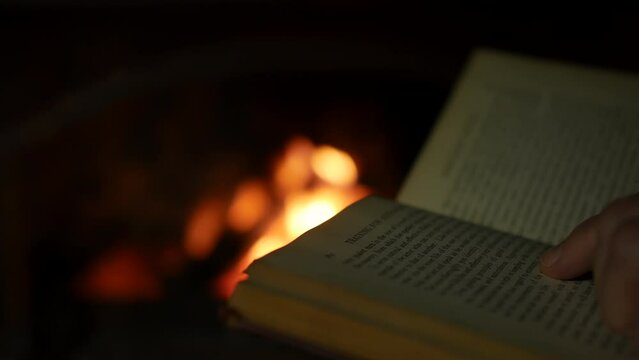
{"points": [[155, 187]]}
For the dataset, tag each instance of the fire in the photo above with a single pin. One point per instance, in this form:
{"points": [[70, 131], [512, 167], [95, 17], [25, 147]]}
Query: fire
{"points": [[311, 184], [334, 166], [324, 183], [293, 171], [308, 214], [121, 274], [203, 229], [311, 208], [250, 204]]}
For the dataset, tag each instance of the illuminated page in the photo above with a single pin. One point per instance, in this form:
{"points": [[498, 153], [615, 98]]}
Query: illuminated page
{"points": [[435, 267], [530, 147]]}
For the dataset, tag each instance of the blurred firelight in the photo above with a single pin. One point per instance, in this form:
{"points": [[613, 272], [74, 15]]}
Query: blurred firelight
{"points": [[293, 171], [122, 274], [203, 229], [250, 203], [311, 184], [334, 166], [306, 215]]}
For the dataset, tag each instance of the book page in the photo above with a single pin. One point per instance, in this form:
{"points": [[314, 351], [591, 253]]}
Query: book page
{"points": [[440, 268], [530, 147]]}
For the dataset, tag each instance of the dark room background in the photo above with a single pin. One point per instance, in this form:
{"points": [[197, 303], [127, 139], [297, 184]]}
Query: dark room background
{"points": [[120, 121]]}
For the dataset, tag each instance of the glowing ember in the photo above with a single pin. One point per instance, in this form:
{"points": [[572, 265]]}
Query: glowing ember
{"points": [[121, 274], [265, 245], [325, 184], [308, 215], [294, 169], [310, 185], [203, 229], [306, 211], [249, 205], [334, 166]]}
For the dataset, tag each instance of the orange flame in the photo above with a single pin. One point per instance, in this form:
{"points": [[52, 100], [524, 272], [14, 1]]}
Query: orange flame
{"points": [[203, 229], [307, 210], [250, 204], [328, 184], [310, 185], [121, 274], [293, 172], [334, 166]]}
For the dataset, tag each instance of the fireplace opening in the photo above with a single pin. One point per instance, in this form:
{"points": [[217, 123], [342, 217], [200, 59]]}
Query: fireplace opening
{"points": [[146, 195], [198, 181]]}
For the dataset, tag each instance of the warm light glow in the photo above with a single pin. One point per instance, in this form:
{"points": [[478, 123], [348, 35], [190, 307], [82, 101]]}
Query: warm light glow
{"points": [[203, 229], [121, 274], [304, 211], [311, 185], [334, 166], [307, 211], [293, 171], [267, 244], [222, 286], [249, 205]]}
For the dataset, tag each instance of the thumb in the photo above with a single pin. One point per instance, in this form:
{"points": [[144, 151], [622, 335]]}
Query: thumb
{"points": [[575, 256]]}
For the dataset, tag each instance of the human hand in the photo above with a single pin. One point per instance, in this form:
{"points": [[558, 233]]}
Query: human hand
{"points": [[608, 245]]}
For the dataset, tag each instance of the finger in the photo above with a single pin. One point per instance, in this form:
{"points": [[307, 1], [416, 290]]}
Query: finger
{"points": [[618, 283], [579, 253], [617, 212], [575, 255], [609, 220]]}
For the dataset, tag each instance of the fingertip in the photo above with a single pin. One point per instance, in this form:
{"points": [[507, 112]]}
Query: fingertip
{"points": [[574, 256], [551, 256], [547, 260]]}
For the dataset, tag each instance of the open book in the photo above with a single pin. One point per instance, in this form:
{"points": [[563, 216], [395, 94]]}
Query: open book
{"points": [[524, 150]]}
